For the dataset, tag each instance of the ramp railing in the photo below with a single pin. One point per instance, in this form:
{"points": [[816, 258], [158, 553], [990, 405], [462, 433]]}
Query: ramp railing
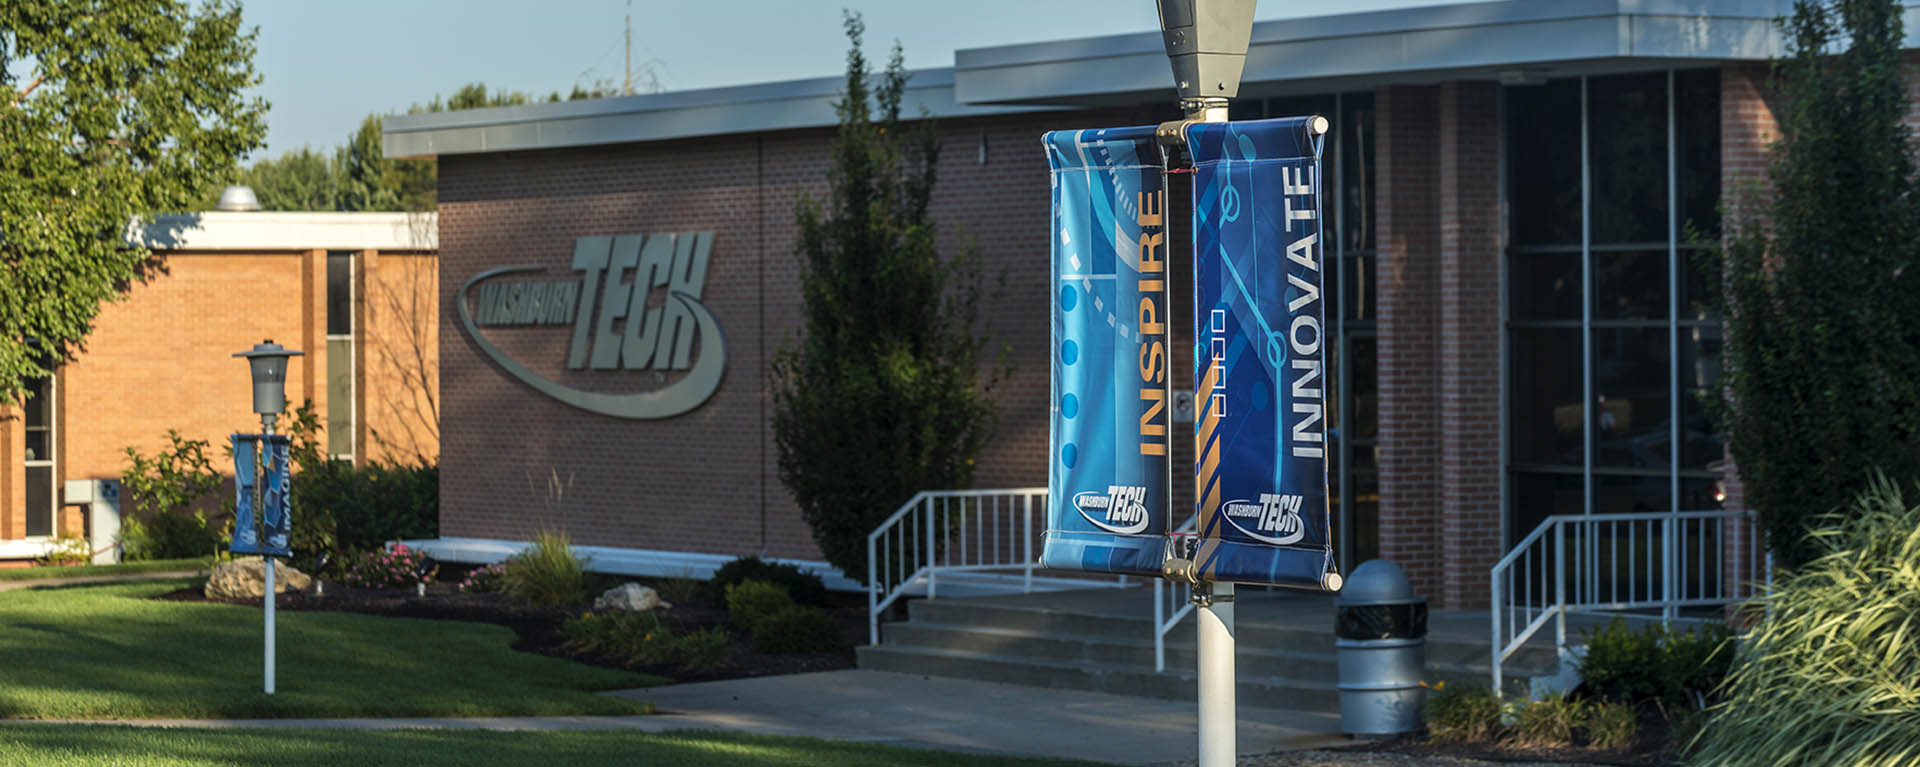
{"points": [[942, 532], [1619, 563]]}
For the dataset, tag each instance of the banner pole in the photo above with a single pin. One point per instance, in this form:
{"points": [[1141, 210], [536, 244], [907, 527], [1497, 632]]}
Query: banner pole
{"points": [[266, 427], [1213, 602]]}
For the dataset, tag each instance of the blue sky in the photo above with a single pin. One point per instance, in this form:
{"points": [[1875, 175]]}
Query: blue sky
{"points": [[328, 63]]}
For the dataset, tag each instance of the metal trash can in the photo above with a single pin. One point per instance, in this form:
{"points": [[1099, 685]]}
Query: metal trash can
{"points": [[1381, 640]]}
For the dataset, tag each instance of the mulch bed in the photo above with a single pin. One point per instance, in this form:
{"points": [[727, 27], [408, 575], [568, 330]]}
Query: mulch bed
{"points": [[538, 629], [1654, 747]]}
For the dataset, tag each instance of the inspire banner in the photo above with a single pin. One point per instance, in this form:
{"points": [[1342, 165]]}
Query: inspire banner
{"points": [[1109, 469], [1259, 353]]}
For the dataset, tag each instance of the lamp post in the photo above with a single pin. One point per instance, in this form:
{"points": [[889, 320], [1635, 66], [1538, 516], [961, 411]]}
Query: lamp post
{"points": [[267, 361]]}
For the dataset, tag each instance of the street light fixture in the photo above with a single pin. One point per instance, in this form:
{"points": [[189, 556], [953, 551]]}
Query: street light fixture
{"points": [[267, 362]]}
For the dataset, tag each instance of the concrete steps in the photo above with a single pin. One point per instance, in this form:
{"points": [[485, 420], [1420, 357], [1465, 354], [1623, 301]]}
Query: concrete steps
{"points": [[1282, 661]]}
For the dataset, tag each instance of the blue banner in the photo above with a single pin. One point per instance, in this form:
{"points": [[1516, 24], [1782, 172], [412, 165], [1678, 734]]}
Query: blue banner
{"points": [[1259, 354], [271, 477], [246, 475], [1109, 469]]}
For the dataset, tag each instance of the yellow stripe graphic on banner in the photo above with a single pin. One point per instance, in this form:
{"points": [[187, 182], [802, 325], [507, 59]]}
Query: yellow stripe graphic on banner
{"points": [[1208, 488]]}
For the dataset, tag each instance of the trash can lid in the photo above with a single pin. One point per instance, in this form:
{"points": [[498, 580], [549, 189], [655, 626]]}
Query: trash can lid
{"points": [[1378, 582]]}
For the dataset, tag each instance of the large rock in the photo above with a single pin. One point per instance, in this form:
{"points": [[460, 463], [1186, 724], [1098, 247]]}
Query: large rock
{"points": [[246, 579], [629, 596]]}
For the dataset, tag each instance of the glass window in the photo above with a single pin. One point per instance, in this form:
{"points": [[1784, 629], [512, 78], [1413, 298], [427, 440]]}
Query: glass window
{"points": [[1546, 286], [1627, 142], [1543, 162], [1600, 432], [339, 294], [1355, 127], [1545, 396], [1631, 376], [37, 427]]}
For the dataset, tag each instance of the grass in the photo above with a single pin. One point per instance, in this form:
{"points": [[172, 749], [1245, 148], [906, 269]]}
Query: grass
{"points": [[84, 571], [109, 652], [57, 745]]}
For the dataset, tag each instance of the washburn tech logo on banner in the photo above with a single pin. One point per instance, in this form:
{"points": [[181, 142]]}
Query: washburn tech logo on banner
{"points": [[659, 338]]}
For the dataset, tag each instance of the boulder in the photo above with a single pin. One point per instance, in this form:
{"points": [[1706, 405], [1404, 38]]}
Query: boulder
{"points": [[245, 578], [632, 597]]}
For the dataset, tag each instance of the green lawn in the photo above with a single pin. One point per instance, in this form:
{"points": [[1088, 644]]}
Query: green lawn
{"points": [[107, 652], [54, 745], [87, 571]]}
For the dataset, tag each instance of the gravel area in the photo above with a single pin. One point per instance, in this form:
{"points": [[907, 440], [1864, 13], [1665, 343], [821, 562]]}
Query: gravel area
{"points": [[1366, 759]]}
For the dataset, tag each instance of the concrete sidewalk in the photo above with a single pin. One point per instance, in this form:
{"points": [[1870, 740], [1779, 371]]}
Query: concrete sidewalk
{"points": [[897, 709]]}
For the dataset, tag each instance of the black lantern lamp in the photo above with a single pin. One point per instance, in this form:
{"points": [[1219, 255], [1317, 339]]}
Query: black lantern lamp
{"points": [[268, 361]]}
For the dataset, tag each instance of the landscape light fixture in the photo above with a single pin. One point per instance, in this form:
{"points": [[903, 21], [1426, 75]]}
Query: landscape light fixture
{"points": [[268, 362]]}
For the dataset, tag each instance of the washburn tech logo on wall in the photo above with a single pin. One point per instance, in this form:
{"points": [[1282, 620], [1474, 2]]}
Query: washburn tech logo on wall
{"points": [[1121, 509], [658, 338]]}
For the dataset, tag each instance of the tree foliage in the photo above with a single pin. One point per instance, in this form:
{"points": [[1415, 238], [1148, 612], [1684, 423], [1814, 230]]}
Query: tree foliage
{"points": [[883, 394], [359, 177], [1821, 292], [108, 111]]}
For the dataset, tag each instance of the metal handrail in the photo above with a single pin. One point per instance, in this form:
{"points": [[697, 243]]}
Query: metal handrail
{"points": [[1579, 563], [925, 537]]}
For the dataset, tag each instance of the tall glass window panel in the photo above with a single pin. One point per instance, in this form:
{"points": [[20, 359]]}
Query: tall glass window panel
{"points": [[1700, 348], [1545, 393], [1628, 285], [37, 425], [1543, 162], [1631, 427], [1697, 121], [1356, 171], [1545, 286], [1627, 146], [340, 355]]}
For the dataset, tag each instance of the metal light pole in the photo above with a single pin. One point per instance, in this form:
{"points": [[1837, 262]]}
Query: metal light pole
{"points": [[268, 363], [1206, 43]]}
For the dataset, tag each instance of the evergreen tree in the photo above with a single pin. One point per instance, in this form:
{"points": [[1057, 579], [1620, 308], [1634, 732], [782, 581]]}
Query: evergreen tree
{"points": [[883, 394], [1821, 289]]}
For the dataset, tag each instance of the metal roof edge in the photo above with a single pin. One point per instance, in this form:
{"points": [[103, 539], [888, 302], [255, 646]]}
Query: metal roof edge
{"points": [[276, 230]]}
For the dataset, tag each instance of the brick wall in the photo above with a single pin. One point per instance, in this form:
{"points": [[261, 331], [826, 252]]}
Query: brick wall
{"points": [[1469, 340], [161, 358], [707, 481], [1406, 194]]}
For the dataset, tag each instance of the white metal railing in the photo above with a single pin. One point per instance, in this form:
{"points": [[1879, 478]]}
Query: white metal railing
{"points": [[1596, 563], [950, 531], [1171, 602]]}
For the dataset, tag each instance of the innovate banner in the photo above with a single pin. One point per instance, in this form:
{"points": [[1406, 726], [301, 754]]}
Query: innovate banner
{"points": [[272, 471], [1259, 359], [1109, 473]]}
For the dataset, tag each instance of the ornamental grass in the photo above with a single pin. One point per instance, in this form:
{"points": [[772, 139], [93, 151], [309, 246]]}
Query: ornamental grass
{"points": [[1831, 675]]}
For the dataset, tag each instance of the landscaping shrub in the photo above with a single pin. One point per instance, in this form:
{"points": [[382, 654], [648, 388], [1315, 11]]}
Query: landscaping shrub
{"points": [[384, 569], [347, 510], [1831, 674], [804, 587], [679, 591], [484, 580], [170, 492], [796, 629], [751, 602], [547, 573], [642, 639], [1656, 664], [1612, 725], [1549, 721], [1462, 714], [67, 551]]}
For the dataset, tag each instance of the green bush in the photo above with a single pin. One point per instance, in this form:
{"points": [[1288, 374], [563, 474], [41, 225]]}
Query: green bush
{"points": [[1462, 714], [1831, 674], [1656, 664], [1612, 725], [348, 510], [796, 629], [642, 639], [751, 602], [804, 587], [171, 492], [547, 573]]}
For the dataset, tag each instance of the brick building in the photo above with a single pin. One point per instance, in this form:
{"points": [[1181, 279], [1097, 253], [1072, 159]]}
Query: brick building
{"points": [[1513, 187], [355, 291]]}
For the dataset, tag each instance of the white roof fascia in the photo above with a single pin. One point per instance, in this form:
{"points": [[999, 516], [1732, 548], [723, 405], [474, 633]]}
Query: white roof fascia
{"points": [[1474, 40], [257, 231], [658, 116]]}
